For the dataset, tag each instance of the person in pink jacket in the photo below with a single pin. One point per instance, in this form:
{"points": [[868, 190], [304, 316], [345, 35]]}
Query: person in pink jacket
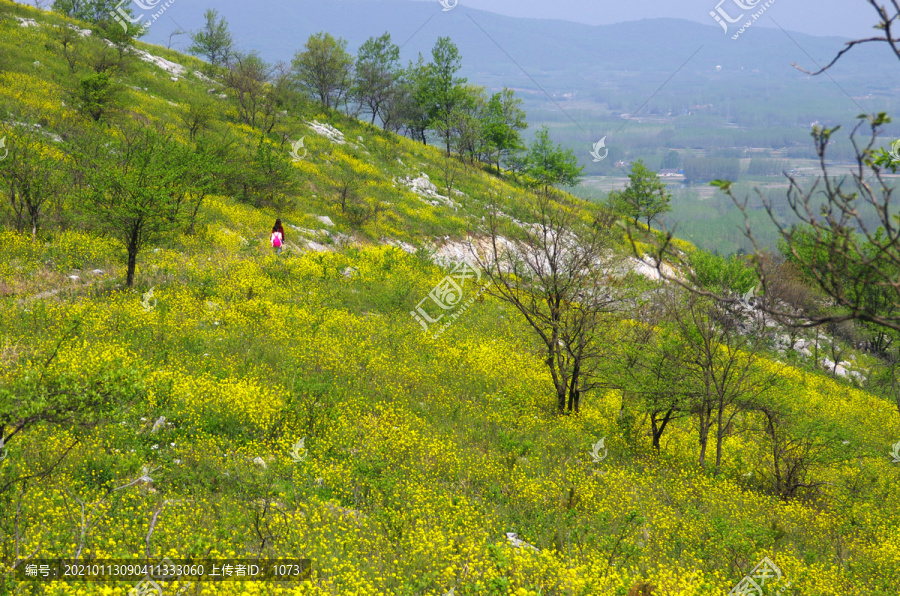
{"points": [[277, 236]]}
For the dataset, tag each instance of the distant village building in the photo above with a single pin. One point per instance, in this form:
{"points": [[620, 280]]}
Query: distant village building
{"points": [[671, 174]]}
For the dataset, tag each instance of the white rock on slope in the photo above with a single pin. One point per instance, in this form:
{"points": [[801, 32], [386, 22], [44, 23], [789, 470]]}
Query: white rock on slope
{"points": [[167, 65], [327, 131], [424, 187], [518, 543]]}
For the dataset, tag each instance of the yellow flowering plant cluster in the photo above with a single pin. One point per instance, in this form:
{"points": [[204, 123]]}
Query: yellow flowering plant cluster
{"points": [[245, 405], [421, 454]]}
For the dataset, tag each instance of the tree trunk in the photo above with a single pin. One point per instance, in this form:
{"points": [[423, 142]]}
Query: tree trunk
{"points": [[658, 432], [132, 265], [720, 436], [194, 217], [704, 436], [776, 463], [133, 247], [574, 393], [559, 383]]}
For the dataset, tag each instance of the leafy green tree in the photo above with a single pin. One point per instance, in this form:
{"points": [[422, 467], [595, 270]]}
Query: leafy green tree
{"points": [[467, 124], [214, 41], [517, 163], [548, 165], [113, 20], [266, 176], [35, 394], [672, 161], [645, 196], [410, 110], [377, 71], [504, 121], [205, 169], [132, 188], [94, 97], [445, 90], [196, 114], [731, 275], [258, 88], [324, 69], [120, 31], [87, 10], [31, 176]]}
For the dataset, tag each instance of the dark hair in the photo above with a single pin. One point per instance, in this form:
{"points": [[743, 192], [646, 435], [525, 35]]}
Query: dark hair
{"points": [[277, 227]]}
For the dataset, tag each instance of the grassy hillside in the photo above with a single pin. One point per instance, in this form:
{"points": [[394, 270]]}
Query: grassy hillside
{"points": [[419, 454]]}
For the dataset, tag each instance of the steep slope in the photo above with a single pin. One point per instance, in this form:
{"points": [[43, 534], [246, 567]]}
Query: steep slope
{"points": [[424, 463]]}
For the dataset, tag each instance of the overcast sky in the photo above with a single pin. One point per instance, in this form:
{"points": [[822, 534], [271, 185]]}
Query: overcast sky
{"points": [[845, 18]]}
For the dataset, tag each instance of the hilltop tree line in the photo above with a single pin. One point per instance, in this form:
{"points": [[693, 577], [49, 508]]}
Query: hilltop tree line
{"points": [[424, 100], [420, 100]]}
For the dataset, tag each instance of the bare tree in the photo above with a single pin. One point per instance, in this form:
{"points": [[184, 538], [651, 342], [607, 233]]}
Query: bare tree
{"points": [[854, 263], [852, 256], [173, 34], [888, 19], [90, 518], [558, 273], [721, 376], [792, 459]]}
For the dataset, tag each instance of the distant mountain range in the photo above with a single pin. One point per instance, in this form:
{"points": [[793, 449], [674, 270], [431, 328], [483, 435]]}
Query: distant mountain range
{"points": [[569, 56], [576, 76], [848, 18]]}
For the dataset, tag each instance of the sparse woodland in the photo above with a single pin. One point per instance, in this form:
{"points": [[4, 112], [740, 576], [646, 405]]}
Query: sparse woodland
{"points": [[159, 364]]}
